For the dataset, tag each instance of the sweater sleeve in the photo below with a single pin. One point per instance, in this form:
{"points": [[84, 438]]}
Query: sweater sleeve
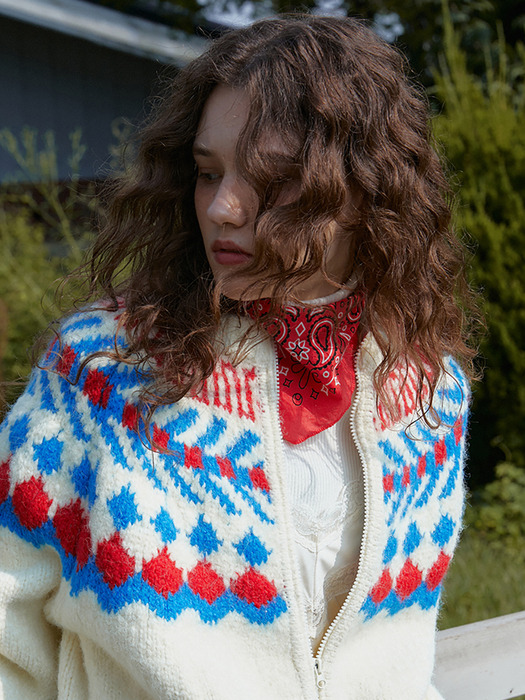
{"points": [[28, 642], [30, 569]]}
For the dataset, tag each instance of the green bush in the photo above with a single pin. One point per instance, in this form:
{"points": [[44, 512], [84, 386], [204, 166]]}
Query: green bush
{"points": [[44, 228], [25, 278], [481, 129], [499, 514]]}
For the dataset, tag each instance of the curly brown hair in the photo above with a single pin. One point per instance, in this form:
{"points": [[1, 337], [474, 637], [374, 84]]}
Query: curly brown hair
{"points": [[341, 101]]}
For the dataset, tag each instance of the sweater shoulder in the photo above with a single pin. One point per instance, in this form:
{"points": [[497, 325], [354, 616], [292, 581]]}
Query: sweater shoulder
{"points": [[95, 329], [69, 391], [450, 400]]}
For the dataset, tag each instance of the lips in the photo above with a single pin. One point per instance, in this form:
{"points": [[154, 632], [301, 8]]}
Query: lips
{"points": [[227, 252]]}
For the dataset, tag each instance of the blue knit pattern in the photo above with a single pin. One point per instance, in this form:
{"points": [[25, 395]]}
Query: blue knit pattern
{"points": [[188, 526], [192, 525], [422, 477]]}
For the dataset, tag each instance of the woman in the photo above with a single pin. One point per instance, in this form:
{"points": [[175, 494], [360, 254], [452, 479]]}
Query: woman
{"points": [[238, 472]]}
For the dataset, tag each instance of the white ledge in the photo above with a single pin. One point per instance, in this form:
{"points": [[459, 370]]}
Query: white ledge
{"points": [[482, 661]]}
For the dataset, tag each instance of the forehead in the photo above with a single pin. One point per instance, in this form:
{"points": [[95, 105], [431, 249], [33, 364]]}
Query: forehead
{"points": [[223, 117]]}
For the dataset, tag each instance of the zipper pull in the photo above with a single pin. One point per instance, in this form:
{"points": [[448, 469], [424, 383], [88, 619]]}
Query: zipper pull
{"points": [[320, 679]]}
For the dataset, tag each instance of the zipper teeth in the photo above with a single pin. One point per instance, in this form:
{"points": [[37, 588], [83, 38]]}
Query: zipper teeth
{"points": [[313, 658], [365, 524]]}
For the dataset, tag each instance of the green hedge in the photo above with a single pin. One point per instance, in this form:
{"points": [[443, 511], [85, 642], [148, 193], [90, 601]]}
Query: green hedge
{"points": [[482, 131]]}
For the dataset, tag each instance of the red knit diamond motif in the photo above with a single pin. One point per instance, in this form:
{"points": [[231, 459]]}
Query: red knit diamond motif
{"points": [[130, 416], [66, 360], [31, 503], [83, 545], [97, 387], [4, 480], [112, 560], [388, 482], [259, 479], [206, 582], [437, 571], [160, 437], [254, 588], [440, 452], [69, 522], [162, 574], [408, 580], [382, 587], [193, 457], [226, 468]]}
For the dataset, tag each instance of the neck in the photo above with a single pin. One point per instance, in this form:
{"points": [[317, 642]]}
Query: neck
{"points": [[332, 297]]}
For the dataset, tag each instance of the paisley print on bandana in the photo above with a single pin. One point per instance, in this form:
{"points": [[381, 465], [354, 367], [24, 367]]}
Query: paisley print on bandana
{"points": [[316, 346]]}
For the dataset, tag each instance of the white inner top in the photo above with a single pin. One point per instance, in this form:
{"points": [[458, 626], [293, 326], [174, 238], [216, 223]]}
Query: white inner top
{"points": [[325, 489]]}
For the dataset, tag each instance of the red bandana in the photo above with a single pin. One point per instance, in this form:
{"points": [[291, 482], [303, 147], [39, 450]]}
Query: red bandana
{"points": [[316, 346]]}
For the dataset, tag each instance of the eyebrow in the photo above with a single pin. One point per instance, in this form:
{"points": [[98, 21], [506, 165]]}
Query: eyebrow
{"points": [[200, 150], [279, 157]]}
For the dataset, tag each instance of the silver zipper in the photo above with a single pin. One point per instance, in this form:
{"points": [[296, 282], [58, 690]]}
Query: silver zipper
{"points": [[343, 608], [316, 659], [319, 678]]}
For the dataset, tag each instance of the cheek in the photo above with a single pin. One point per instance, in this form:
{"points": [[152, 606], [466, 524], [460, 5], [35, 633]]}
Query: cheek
{"points": [[202, 202]]}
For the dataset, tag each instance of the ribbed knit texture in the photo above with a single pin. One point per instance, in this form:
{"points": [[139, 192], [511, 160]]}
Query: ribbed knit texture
{"points": [[324, 480]]}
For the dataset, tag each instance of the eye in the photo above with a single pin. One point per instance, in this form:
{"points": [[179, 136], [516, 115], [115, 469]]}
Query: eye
{"points": [[207, 175]]}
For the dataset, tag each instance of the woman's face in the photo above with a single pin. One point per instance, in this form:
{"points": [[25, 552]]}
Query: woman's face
{"points": [[226, 204]]}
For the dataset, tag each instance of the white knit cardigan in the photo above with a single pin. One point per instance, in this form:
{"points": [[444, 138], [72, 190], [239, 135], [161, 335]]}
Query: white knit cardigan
{"points": [[153, 576]]}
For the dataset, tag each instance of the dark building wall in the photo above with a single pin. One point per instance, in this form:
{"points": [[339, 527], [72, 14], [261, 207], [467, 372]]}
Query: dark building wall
{"points": [[51, 81]]}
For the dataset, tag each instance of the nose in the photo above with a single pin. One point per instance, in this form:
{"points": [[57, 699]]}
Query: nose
{"points": [[234, 203]]}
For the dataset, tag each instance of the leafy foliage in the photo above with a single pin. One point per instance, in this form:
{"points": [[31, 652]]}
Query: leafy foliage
{"points": [[43, 231], [500, 512], [476, 23], [62, 208], [418, 26], [25, 275], [486, 575], [481, 128]]}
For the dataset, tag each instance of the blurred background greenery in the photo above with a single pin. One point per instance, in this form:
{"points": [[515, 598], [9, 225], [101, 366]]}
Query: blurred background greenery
{"points": [[471, 60]]}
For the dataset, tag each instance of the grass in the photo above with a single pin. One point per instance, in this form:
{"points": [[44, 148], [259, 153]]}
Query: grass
{"points": [[484, 581]]}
